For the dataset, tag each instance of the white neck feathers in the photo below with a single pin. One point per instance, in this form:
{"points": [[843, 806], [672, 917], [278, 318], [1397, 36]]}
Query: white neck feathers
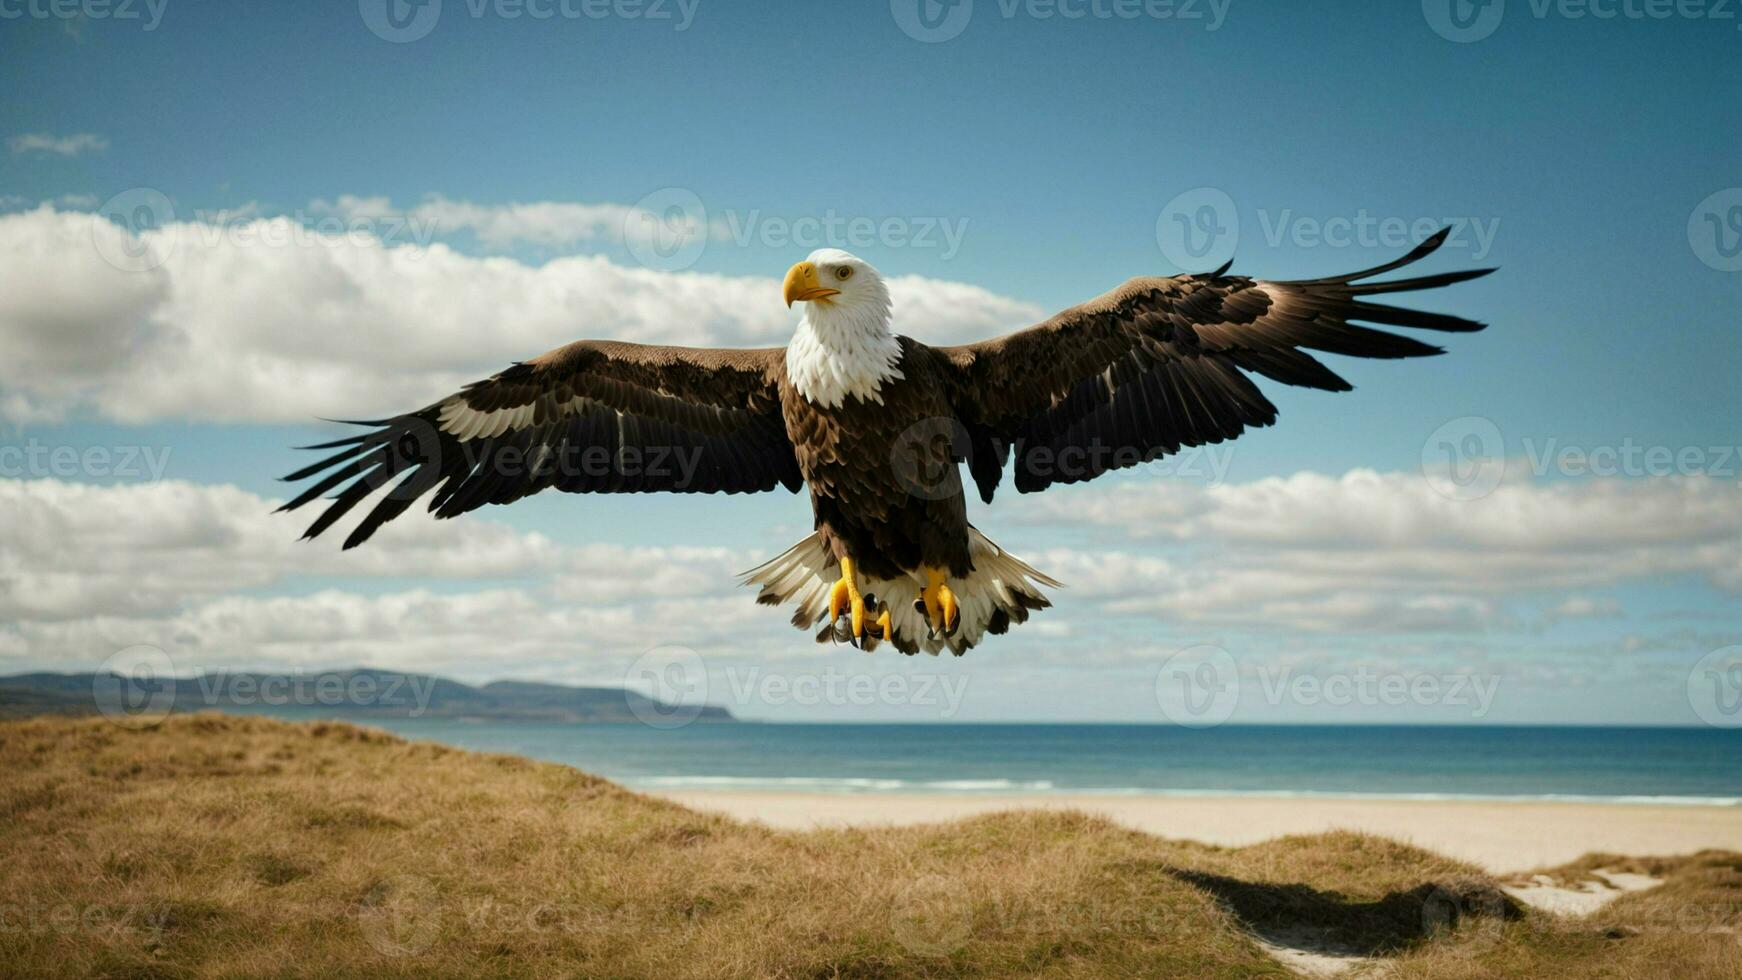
{"points": [[840, 350]]}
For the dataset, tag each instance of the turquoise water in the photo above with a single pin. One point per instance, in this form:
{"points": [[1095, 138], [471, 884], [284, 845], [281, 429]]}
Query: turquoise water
{"points": [[1596, 764]]}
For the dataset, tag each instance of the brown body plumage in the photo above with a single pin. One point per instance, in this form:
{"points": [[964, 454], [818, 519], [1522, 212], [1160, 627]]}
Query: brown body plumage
{"points": [[848, 455]]}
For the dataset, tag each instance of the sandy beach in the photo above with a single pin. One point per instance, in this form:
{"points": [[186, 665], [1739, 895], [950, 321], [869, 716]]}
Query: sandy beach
{"points": [[1502, 837]]}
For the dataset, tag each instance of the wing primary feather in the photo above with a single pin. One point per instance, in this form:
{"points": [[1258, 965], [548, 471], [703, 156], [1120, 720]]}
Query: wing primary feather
{"points": [[1428, 246], [328, 462], [1419, 282], [335, 478]]}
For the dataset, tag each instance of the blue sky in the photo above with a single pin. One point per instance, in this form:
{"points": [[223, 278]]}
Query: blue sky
{"points": [[1573, 152]]}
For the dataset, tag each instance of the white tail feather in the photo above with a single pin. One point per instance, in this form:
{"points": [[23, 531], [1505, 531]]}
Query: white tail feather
{"points": [[1002, 590]]}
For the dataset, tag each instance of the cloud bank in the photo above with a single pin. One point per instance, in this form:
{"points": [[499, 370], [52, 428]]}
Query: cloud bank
{"points": [[267, 320], [87, 570]]}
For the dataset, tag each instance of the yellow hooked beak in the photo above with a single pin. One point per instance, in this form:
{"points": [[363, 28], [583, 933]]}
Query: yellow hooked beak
{"points": [[802, 283]]}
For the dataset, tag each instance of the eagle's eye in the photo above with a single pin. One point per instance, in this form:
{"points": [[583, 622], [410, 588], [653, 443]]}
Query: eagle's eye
{"points": [[843, 272]]}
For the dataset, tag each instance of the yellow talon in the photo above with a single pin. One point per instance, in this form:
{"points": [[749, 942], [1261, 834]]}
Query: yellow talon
{"points": [[838, 601], [845, 596], [940, 602], [885, 628]]}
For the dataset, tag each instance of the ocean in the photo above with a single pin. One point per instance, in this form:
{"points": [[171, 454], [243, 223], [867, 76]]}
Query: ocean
{"points": [[1627, 765]]}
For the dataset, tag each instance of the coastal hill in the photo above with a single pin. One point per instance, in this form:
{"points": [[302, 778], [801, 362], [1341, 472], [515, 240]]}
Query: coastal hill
{"points": [[362, 693], [211, 844]]}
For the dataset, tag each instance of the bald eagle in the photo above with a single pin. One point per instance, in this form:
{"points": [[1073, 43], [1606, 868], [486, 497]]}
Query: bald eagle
{"points": [[877, 424]]}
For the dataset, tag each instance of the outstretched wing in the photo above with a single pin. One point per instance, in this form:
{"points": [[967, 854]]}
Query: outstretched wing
{"points": [[591, 417], [1160, 363]]}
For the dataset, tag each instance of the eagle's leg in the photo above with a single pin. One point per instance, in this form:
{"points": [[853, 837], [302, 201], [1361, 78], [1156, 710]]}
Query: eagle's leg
{"points": [[845, 596], [940, 602]]}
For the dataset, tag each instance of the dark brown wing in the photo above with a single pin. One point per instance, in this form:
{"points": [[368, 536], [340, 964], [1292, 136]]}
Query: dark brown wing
{"points": [[1160, 363], [591, 417]]}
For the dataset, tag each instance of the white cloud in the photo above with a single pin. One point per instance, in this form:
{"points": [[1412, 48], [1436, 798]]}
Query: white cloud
{"points": [[74, 550], [1575, 607], [265, 320], [210, 574], [87, 570], [555, 224], [1382, 552], [492, 632], [62, 146]]}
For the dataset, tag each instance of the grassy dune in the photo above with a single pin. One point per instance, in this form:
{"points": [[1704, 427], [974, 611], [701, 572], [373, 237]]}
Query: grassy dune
{"points": [[223, 846]]}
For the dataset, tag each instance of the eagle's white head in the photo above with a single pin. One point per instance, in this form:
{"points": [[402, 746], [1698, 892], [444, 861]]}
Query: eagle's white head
{"points": [[843, 346], [838, 285]]}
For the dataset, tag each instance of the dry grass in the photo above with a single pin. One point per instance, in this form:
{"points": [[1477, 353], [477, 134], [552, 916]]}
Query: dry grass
{"points": [[222, 846]]}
